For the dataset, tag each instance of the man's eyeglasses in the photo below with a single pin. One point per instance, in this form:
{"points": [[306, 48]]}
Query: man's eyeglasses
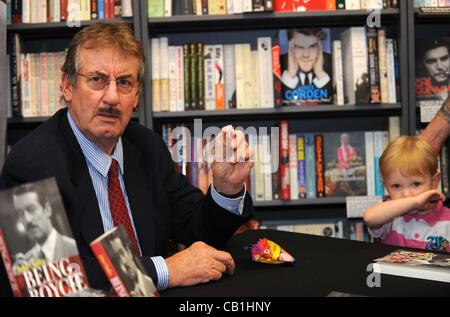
{"points": [[124, 85]]}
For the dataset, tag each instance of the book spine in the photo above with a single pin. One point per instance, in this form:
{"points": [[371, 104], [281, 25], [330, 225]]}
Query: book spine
{"points": [[275, 157], [301, 166], [293, 166], [219, 88], [374, 71], [173, 106], [338, 80], [265, 72], [320, 175], [94, 10], [285, 189], [15, 74], [187, 76], [156, 83], [230, 77], [266, 160], [180, 78], [368, 136], [384, 85], [4, 252], [167, 8], [200, 76], [392, 87], [310, 152], [239, 63], [194, 105], [276, 70], [378, 150], [164, 72], [109, 269], [256, 94], [127, 8], [248, 84], [101, 9], [210, 98]]}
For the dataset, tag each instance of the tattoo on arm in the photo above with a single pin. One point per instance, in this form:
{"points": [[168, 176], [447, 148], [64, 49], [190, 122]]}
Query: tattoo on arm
{"points": [[444, 112]]}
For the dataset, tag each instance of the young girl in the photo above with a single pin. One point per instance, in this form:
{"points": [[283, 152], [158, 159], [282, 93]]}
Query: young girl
{"points": [[414, 216]]}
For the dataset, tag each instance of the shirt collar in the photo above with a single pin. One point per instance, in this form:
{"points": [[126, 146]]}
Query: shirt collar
{"points": [[430, 218], [48, 247], [96, 156]]}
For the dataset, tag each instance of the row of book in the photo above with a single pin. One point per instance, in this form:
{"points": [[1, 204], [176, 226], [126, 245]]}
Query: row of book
{"points": [[360, 67], [44, 11], [291, 166], [431, 3], [342, 229], [166, 8], [35, 81]]}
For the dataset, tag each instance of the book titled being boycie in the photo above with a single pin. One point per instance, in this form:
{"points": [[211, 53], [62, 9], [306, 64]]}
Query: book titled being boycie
{"points": [[36, 243], [124, 270], [415, 264]]}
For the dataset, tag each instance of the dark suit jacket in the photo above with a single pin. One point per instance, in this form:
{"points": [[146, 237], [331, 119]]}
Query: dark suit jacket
{"points": [[163, 203]]}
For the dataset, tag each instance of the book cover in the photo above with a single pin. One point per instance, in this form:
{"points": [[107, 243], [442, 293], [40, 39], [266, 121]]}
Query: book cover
{"points": [[415, 264], [306, 66], [432, 68], [122, 267], [345, 164], [300, 5], [36, 242]]}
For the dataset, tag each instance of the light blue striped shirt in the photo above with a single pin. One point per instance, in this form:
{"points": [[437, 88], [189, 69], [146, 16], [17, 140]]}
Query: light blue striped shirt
{"points": [[99, 162]]}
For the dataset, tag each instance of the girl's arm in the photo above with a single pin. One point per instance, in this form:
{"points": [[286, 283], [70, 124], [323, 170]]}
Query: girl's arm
{"points": [[377, 215]]}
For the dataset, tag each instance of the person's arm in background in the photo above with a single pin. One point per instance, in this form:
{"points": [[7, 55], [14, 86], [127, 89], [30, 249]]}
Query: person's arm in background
{"points": [[438, 129]]}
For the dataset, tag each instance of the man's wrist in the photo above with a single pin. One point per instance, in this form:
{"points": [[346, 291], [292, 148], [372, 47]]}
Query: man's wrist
{"points": [[232, 196]]}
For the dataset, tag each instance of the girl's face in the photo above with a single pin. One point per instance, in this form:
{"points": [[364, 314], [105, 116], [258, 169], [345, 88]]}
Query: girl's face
{"points": [[400, 186]]}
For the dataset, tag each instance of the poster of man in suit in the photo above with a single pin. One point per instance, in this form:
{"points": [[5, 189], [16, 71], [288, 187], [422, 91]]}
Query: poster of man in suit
{"points": [[306, 66], [35, 225]]}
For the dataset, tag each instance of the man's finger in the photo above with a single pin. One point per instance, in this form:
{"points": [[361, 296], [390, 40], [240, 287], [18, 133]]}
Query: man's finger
{"points": [[226, 259]]}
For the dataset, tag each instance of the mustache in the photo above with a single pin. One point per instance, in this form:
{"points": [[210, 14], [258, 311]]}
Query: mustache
{"points": [[110, 111]]}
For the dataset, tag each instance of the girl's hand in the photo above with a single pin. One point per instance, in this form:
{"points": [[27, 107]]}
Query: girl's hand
{"points": [[426, 201]]}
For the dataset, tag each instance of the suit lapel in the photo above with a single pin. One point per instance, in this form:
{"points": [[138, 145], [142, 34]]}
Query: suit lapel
{"points": [[138, 186], [87, 217]]}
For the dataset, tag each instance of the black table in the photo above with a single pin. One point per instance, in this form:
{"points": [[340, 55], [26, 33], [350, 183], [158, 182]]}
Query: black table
{"points": [[323, 265]]}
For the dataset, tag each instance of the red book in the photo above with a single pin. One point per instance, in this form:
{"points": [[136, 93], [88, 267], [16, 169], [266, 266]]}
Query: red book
{"points": [[285, 182], [276, 67], [63, 7], [320, 176], [124, 269], [300, 5]]}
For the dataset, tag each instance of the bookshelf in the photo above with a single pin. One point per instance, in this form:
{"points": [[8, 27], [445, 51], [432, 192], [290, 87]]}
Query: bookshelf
{"points": [[401, 23], [48, 37], [216, 29]]}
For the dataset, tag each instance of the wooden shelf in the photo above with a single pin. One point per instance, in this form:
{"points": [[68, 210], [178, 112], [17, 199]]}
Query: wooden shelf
{"points": [[56, 29], [184, 23], [300, 202], [286, 112]]}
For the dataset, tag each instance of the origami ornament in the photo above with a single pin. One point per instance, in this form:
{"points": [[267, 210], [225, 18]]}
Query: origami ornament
{"points": [[269, 252]]}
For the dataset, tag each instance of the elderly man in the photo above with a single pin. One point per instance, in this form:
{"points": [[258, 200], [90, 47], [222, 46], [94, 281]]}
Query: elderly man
{"points": [[111, 171]]}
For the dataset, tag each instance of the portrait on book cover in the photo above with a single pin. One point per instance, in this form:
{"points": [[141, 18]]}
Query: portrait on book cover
{"points": [[345, 164], [119, 248], [305, 56], [35, 226], [432, 68]]}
